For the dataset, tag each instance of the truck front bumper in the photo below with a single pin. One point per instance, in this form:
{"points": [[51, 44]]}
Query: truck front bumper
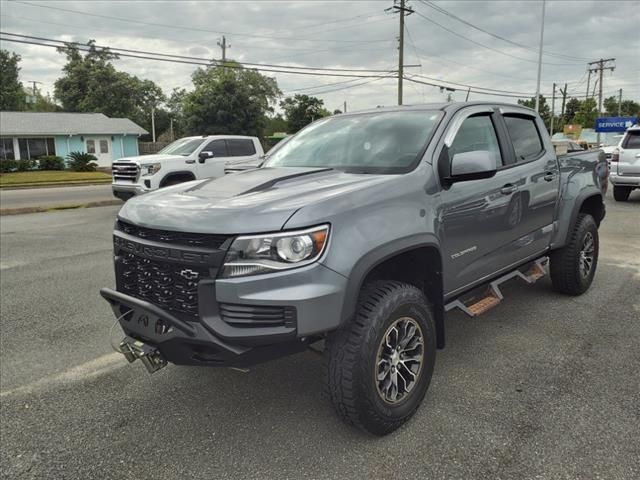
{"points": [[228, 330], [125, 191]]}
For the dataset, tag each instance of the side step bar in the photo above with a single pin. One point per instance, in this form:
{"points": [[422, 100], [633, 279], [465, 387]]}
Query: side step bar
{"points": [[475, 306]]}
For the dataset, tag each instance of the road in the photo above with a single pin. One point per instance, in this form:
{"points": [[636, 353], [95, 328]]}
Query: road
{"points": [[543, 386], [54, 196]]}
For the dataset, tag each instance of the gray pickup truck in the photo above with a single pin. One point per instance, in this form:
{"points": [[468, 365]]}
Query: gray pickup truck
{"points": [[355, 238]]}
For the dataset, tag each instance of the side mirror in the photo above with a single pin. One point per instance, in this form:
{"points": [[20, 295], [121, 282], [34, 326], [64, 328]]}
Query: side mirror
{"points": [[472, 166], [202, 156]]}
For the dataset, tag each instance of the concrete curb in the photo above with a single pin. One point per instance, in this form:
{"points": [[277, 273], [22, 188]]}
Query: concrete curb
{"points": [[52, 185], [19, 211]]}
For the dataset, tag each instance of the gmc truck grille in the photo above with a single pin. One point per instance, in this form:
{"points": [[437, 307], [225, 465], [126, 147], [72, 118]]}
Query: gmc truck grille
{"points": [[125, 171], [257, 315], [177, 238], [166, 285]]}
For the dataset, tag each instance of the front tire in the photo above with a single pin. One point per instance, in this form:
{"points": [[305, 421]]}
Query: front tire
{"points": [[380, 364], [621, 194], [574, 265]]}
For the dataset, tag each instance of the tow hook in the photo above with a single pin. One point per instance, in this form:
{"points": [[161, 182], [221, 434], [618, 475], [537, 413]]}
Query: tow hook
{"points": [[151, 357]]}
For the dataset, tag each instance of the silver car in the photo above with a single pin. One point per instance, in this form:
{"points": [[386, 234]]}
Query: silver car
{"points": [[625, 165]]}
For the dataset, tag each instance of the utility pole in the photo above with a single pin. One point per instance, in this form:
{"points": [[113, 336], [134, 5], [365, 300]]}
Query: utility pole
{"points": [[153, 124], [620, 102], [403, 10], [588, 83], [223, 46], [564, 100], [600, 66], [553, 108], [34, 90], [540, 57], [467, 97], [345, 107]]}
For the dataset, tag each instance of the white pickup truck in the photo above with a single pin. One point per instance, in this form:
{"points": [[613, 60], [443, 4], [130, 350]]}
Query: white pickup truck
{"points": [[625, 165], [186, 159]]}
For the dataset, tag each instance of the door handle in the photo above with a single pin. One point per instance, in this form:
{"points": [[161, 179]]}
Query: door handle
{"points": [[508, 189], [189, 161], [549, 176]]}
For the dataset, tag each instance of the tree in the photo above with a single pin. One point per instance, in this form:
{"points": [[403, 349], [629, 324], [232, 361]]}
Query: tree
{"points": [[274, 124], [92, 84], [627, 107], [228, 99], [570, 110], [11, 90], [587, 114], [301, 110], [543, 108], [175, 106]]}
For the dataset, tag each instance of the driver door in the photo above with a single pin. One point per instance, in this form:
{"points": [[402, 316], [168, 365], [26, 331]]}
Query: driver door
{"points": [[213, 166], [475, 215]]}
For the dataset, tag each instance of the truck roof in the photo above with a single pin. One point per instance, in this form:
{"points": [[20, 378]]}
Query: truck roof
{"points": [[444, 106]]}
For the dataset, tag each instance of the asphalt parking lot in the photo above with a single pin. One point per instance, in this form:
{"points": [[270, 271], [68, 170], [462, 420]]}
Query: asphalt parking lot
{"points": [[543, 386]]}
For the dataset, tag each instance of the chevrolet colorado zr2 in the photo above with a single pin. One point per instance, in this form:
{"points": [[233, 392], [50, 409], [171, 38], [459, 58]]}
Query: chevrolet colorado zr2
{"points": [[357, 235]]}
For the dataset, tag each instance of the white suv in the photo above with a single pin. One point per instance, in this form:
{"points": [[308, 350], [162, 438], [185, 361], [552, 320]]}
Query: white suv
{"points": [[625, 165], [186, 159]]}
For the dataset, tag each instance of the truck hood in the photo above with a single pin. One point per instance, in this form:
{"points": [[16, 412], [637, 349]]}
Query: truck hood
{"points": [[259, 200], [156, 157]]}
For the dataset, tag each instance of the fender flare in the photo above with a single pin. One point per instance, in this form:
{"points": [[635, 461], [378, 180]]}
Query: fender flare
{"points": [[377, 256], [581, 198], [175, 173]]}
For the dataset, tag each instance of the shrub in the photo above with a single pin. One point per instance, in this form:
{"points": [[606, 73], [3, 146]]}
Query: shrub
{"points": [[51, 162], [26, 165], [8, 165], [82, 162]]}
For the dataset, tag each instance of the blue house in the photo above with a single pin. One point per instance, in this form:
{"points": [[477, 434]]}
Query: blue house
{"points": [[29, 135]]}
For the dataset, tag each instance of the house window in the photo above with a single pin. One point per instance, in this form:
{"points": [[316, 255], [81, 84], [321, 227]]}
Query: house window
{"points": [[32, 148], [6, 149], [104, 146], [91, 146]]}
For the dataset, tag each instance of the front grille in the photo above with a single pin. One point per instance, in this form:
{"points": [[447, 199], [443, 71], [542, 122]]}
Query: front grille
{"points": [[257, 315], [125, 171], [177, 238], [166, 285]]}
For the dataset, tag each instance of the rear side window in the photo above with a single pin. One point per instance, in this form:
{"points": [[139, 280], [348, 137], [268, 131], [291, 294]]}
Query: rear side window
{"points": [[632, 140], [241, 147], [217, 147], [476, 134], [525, 137]]}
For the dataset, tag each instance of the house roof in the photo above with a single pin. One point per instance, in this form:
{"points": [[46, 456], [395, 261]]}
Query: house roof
{"points": [[63, 123]]}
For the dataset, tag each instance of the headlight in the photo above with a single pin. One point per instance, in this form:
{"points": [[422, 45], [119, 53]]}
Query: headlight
{"points": [[251, 255], [150, 168]]}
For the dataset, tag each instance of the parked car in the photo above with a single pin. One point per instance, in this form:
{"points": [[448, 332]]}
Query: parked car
{"points": [[186, 159], [625, 165], [358, 233]]}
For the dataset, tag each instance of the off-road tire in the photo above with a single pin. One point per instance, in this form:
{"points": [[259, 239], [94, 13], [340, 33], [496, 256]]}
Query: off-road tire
{"points": [[352, 351], [565, 262], [621, 194]]}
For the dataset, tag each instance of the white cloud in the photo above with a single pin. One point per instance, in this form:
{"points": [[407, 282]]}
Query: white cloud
{"points": [[584, 29]]}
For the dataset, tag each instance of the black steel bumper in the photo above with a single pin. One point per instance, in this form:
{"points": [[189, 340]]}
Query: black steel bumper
{"points": [[197, 342]]}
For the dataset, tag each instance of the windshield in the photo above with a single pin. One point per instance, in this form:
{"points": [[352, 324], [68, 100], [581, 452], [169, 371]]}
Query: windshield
{"points": [[184, 146], [380, 142]]}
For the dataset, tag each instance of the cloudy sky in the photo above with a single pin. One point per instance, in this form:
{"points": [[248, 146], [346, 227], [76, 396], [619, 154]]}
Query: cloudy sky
{"points": [[360, 35]]}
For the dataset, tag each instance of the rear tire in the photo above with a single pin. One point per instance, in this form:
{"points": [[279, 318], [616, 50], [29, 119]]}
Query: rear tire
{"points": [[621, 194], [379, 365], [574, 265]]}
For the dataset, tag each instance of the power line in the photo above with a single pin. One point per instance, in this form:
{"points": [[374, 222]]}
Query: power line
{"points": [[208, 64], [486, 46], [200, 59], [193, 28], [494, 35]]}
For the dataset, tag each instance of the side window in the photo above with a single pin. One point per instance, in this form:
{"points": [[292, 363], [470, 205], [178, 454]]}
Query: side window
{"points": [[525, 137], [475, 134], [632, 140], [217, 147], [104, 146], [91, 146], [241, 147]]}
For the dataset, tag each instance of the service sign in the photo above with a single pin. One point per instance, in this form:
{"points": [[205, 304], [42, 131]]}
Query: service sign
{"points": [[615, 124]]}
